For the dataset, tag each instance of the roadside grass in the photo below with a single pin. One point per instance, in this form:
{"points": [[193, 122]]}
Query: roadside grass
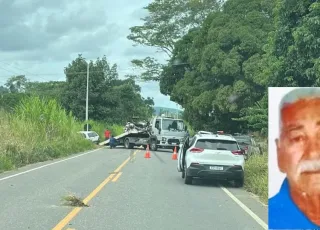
{"points": [[99, 127], [256, 175], [38, 130]]}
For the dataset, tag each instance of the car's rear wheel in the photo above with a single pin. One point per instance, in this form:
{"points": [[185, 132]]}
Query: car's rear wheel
{"points": [[239, 183], [182, 170], [187, 179]]}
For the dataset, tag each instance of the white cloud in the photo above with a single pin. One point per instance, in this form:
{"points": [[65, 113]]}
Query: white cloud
{"points": [[39, 38]]}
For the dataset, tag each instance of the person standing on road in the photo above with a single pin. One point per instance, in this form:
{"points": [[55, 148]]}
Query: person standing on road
{"points": [[297, 204], [188, 134], [107, 134]]}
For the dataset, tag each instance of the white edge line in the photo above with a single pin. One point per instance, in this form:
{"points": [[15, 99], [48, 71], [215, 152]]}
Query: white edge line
{"points": [[257, 199], [43, 166], [245, 208]]}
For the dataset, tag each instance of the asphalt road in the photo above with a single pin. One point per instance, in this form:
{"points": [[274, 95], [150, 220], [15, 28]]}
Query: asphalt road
{"points": [[123, 193]]}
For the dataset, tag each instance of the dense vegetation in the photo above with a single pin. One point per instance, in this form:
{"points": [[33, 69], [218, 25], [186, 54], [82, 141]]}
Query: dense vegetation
{"points": [[220, 68], [41, 119], [111, 99], [223, 55]]}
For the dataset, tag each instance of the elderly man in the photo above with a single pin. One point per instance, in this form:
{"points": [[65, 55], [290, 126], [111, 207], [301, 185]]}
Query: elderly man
{"points": [[297, 205]]}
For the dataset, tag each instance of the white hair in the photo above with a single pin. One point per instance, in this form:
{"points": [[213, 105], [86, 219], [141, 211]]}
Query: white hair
{"points": [[298, 94]]}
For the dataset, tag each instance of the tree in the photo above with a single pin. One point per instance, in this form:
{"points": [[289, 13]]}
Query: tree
{"points": [[295, 44], [16, 84], [110, 99], [101, 74], [150, 104], [49, 90], [9, 101], [167, 22], [216, 76], [3, 90], [256, 116]]}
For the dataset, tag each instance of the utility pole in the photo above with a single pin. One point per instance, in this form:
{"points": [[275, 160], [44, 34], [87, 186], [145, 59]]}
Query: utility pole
{"points": [[87, 96]]}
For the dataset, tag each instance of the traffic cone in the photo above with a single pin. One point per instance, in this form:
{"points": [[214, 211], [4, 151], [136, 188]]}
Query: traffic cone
{"points": [[174, 154], [147, 154]]}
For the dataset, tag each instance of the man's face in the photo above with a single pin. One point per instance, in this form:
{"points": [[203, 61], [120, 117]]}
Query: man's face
{"points": [[300, 141]]}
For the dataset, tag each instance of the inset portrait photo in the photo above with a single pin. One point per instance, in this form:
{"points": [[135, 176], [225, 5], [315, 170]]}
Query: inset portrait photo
{"points": [[294, 157]]}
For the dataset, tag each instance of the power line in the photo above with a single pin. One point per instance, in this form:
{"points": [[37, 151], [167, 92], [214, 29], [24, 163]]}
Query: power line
{"points": [[51, 74], [75, 73], [16, 67], [39, 75], [68, 73], [8, 70], [19, 69], [47, 74]]}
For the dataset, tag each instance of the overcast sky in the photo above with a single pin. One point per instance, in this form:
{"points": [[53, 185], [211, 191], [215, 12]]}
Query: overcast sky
{"points": [[38, 38]]}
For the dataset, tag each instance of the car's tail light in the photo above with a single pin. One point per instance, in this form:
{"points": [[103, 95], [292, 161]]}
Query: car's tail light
{"points": [[237, 167], [237, 152], [196, 150]]}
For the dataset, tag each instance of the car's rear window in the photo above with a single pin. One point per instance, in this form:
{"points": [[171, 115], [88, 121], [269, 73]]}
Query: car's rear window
{"points": [[216, 144], [92, 134], [243, 140]]}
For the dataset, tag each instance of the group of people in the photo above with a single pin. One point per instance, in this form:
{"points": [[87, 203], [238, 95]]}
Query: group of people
{"points": [[112, 140]]}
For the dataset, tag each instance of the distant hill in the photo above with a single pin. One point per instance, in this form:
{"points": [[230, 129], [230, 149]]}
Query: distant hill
{"points": [[157, 110]]}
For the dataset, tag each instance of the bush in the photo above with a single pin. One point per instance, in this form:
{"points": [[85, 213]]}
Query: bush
{"points": [[38, 130], [256, 175], [190, 129]]}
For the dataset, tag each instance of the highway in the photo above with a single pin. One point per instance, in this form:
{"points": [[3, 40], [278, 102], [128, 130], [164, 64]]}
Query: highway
{"points": [[124, 191]]}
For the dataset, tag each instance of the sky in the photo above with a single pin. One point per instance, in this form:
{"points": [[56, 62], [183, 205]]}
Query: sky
{"points": [[38, 38]]}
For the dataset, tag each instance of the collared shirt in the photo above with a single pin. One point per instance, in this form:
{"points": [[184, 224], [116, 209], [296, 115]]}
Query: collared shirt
{"points": [[285, 214]]}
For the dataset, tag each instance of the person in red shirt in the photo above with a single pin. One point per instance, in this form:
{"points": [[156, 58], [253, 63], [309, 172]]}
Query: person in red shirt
{"points": [[107, 134]]}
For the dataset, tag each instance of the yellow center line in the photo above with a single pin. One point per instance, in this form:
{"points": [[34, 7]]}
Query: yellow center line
{"points": [[76, 210], [116, 177]]}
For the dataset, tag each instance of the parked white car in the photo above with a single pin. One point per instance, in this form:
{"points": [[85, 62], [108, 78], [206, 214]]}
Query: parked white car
{"points": [[91, 135], [211, 156]]}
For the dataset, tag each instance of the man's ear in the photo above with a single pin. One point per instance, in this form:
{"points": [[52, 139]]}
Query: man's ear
{"points": [[281, 162]]}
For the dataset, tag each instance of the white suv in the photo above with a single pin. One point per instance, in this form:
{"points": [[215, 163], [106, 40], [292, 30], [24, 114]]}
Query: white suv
{"points": [[211, 156]]}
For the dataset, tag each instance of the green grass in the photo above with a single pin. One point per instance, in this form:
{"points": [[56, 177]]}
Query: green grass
{"points": [[256, 175], [100, 127], [38, 130]]}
